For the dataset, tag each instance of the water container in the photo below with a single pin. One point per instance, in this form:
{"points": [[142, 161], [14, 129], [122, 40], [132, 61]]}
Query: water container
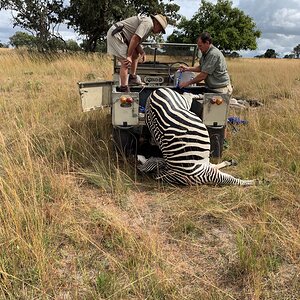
{"points": [[183, 77]]}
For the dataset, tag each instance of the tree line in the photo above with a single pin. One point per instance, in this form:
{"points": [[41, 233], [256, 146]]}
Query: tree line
{"points": [[231, 28], [89, 18], [271, 53]]}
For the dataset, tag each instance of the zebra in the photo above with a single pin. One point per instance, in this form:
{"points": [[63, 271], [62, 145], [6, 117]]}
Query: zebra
{"points": [[184, 142]]}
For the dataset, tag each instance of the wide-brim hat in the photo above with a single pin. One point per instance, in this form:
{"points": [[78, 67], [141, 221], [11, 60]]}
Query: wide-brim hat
{"points": [[162, 20]]}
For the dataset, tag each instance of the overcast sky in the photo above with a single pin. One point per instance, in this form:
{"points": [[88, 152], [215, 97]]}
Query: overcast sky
{"points": [[278, 20]]}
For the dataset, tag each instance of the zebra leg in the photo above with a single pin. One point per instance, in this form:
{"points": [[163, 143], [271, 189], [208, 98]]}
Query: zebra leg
{"points": [[225, 164], [209, 175], [142, 159], [150, 164], [226, 179]]}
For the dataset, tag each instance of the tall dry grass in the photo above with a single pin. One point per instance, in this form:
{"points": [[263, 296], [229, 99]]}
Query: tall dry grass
{"points": [[76, 222]]}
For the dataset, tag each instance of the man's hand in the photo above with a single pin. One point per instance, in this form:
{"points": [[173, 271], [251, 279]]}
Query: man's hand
{"points": [[183, 68], [183, 84], [142, 57], [128, 61]]}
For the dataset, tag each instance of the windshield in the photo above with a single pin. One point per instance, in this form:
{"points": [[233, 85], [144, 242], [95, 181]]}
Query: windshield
{"points": [[168, 54], [171, 52]]}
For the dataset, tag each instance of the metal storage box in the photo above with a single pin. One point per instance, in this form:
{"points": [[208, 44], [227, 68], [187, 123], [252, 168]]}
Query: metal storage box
{"points": [[215, 113], [95, 94], [125, 113], [214, 116]]}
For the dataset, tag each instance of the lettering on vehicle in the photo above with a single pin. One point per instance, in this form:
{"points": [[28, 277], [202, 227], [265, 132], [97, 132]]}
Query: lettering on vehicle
{"points": [[153, 79]]}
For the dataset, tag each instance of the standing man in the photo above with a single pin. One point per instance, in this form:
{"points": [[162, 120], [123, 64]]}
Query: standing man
{"points": [[212, 68], [124, 41]]}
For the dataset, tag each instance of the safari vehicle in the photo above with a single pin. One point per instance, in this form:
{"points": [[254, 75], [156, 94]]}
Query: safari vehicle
{"points": [[130, 133]]}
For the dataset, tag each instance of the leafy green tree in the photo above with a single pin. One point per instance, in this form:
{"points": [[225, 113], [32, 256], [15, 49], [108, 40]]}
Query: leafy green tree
{"points": [[230, 28], [55, 44], [39, 17], [296, 50], [72, 46], [234, 54], [291, 55], [100, 46], [92, 18], [270, 53], [260, 56], [3, 45], [23, 39]]}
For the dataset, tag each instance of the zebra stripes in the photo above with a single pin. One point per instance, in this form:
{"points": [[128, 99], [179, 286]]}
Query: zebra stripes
{"points": [[184, 142]]}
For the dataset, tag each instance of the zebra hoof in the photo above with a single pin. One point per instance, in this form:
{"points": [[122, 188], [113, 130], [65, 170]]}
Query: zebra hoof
{"points": [[142, 159], [265, 181], [233, 162]]}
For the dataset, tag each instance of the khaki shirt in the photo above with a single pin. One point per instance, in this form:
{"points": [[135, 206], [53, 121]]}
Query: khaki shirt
{"points": [[139, 25], [214, 64]]}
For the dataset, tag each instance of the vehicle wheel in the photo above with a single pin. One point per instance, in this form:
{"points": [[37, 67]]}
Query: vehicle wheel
{"points": [[125, 141]]}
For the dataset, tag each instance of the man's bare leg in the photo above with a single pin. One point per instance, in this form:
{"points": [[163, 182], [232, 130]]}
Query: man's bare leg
{"points": [[124, 76], [134, 64], [123, 73]]}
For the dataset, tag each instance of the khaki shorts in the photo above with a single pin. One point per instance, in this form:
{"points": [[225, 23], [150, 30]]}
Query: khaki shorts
{"points": [[115, 45], [224, 90]]}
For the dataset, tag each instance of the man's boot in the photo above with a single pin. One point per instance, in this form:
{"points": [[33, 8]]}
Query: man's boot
{"points": [[135, 80], [123, 89]]}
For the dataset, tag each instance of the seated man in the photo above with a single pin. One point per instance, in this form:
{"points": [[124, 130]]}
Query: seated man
{"points": [[124, 41], [212, 68]]}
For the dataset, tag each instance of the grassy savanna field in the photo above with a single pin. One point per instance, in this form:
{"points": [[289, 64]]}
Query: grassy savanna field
{"points": [[76, 222]]}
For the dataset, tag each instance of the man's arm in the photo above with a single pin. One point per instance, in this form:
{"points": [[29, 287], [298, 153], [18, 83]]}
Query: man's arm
{"points": [[201, 76], [141, 51], [184, 68], [134, 43]]}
